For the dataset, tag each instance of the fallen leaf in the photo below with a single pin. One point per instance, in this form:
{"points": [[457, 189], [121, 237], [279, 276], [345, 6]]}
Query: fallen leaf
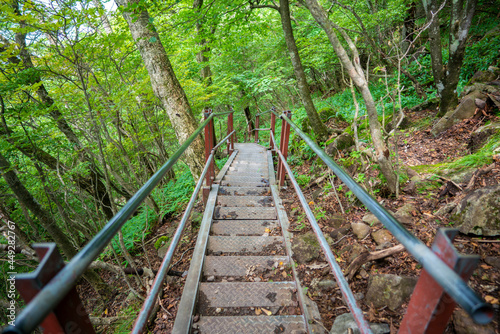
{"points": [[485, 266], [267, 230], [267, 312], [258, 311], [491, 300]]}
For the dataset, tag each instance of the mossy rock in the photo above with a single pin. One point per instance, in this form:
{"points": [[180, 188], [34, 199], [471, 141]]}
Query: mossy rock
{"points": [[162, 241], [326, 113]]}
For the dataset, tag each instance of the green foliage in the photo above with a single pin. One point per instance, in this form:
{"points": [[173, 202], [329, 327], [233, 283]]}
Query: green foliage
{"points": [[303, 179], [162, 241]]}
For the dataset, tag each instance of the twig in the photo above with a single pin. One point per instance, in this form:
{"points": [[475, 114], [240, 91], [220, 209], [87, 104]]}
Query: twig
{"points": [[367, 256], [336, 195]]}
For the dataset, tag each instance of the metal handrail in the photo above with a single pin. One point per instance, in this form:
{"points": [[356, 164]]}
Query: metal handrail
{"points": [[147, 306], [52, 293], [480, 311], [337, 271]]}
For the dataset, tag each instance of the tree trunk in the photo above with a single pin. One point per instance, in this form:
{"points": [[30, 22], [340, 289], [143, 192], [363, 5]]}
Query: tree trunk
{"points": [[164, 82], [356, 73], [446, 77], [248, 117], [201, 56], [46, 220], [317, 125]]}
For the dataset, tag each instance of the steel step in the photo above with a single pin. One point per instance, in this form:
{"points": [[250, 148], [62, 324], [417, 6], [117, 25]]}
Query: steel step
{"points": [[238, 266], [244, 191], [245, 174], [248, 294], [286, 324], [244, 244], [243, 184], [248, 169], [250, 179], [240, 212], [245, 201], [243, 227]]}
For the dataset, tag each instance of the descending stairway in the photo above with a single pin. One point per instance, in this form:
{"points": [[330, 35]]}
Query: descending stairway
{"points": [[240, 279]]}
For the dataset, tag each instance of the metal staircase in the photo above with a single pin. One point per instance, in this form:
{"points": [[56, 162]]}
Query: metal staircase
{"points": [[245, 247]]}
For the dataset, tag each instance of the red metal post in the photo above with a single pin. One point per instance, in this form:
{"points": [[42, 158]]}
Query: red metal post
{"points": [[430, 307], [256, 128], [70, 315], [273, 127], [282, 135], [284, 147], [230, 145]]}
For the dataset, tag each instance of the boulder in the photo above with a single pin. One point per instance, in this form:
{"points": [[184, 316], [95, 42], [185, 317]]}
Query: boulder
{"points": [[361, 230], [356, 250], [466, 109], [305, 247], [493, 261], [479, 137], [338, 233], [340, 143], [382, 236], [405, 213], [479, 212], [389, 290], [483, 77], [345, 321], [464, 324]]}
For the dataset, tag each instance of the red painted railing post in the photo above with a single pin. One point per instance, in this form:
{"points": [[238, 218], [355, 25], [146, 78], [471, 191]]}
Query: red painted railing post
{"points": [[430, 307], [230, 145], [208, 148], [70, 315], [285, 134], [273, 127], [256, 128]]}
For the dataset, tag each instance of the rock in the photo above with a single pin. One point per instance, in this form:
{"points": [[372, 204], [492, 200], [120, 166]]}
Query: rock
{"points": [[361, 230], [479, 137], [480, 87], [445, 210], [337, 220], [464, 324], [460, 176], [479, 212], [384, 245], [389, 290], [405, 213], [196, 218], [465, 109], [163, 251], [483, 77], [345, 321], [327, 284], [210, 278], [359, 296], [357, 249], [339, 233], [305, 247], [493, 261], [131, 297], [340, 143], [382, 236]]}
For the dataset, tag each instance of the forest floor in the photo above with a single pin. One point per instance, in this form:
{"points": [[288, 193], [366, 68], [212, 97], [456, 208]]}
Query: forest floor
{"points": [[416, 146]]}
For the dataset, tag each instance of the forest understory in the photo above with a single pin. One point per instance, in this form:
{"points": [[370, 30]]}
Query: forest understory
{"points": [[419, 147]]}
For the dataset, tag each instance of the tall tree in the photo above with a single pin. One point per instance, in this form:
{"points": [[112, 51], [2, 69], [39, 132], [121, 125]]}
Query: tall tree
{"points": [[317, 125], [446, 76], [355, 71], [163, 79]]}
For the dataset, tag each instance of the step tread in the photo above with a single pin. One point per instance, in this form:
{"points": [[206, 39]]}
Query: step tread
{"points": [[240, 179], [242, 227], [239, 265], [244, 191], [245, 201], [248, 244], [241, 212], [285, 324], [248, 294]]}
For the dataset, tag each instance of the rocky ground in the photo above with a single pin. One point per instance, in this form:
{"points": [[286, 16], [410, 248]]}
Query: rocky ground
{"points": [[425, 204]]}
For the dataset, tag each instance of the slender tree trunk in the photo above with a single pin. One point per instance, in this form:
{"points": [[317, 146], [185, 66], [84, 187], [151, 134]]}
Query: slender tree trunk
{"points": [[202, 55], [356, 73], [317, 125], [46, 220], [163, 80], [446, 77]]}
